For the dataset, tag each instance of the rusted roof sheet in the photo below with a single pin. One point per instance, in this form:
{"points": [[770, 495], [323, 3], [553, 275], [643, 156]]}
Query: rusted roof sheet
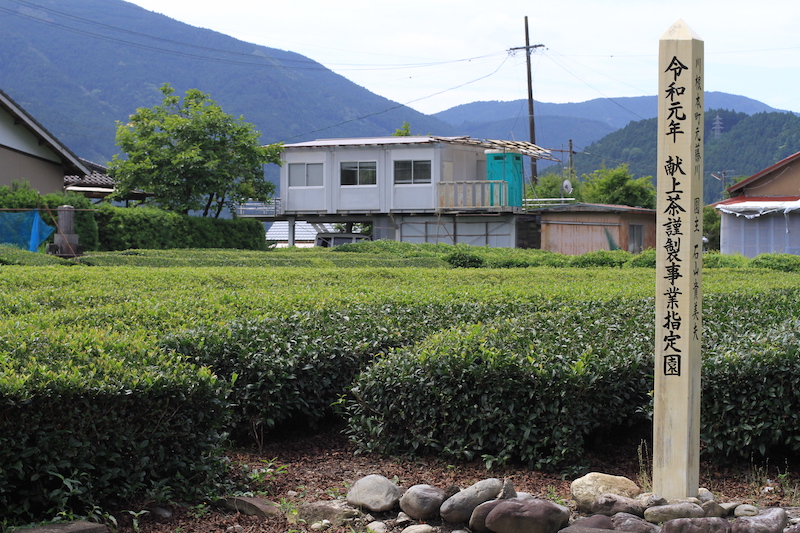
{"points": [[522, 147]]}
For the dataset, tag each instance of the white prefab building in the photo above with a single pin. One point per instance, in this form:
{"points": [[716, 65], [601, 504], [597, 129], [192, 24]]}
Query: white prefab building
{"points": [[413, 189], [763, 213]]}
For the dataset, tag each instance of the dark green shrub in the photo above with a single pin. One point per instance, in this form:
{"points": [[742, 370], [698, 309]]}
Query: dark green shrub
{"points": [[528, 389], [97, 421], [459, 259], [751, 397], [155, 229], [293, 367], [645, 259], [601, 258], [782, 262], [718, 260]]}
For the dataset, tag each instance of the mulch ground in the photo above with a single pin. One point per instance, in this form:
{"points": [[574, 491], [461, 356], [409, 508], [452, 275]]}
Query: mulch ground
{"points": [[322, 467]]}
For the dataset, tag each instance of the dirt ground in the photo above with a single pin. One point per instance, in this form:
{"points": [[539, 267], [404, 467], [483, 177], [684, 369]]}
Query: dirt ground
{"points": [[323, 466]]}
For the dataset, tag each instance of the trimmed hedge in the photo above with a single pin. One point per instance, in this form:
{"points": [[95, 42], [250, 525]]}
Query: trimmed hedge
{"points": [[530, 388], [97, 420], [151, 228], [295, 367]]}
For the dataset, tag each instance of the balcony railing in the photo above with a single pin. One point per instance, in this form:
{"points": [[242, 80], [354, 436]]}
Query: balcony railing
{"points": [[254, 208], [473, 195]]}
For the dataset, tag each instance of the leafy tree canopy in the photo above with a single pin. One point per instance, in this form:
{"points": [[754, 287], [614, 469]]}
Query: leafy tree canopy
{"points": [[191, 155], [618, 186]]}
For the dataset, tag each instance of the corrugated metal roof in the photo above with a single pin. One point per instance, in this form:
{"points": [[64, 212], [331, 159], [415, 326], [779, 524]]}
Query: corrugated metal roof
{"points": [[594, 208], [522, 147], [750, 207]]}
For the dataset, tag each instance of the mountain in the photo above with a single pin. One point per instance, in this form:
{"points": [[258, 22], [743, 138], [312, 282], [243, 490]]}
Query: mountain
{"points": [[736, 145], [79, 66], [583, 122]]}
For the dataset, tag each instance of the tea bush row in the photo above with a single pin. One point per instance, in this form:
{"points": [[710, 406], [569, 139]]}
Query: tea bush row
{"points": [[295, 367], [534, 387], [97, 420]]}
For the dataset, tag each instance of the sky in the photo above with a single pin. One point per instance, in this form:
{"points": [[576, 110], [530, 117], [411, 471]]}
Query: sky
{"points": [[436, 54]]}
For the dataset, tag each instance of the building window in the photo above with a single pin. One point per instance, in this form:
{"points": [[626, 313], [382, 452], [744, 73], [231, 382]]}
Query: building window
{"points": [[406, 172], [635, 238], [359, 173], [305, 174]]}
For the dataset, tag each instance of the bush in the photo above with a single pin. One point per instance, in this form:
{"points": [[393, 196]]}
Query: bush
{"points": [[601, 258], [718, 260], [782, 262], [751, 397], [645, 259], [152, 228], [96, 420], [460, 259], [528, 389]]}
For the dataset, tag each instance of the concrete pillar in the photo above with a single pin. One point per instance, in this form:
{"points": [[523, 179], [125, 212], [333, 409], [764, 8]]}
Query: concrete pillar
{"points": [[679, 257]]}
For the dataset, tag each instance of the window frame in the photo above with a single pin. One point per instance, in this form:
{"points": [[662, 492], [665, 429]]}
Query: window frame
{"points": [[414, 171], [366, 173], [305, 174]]}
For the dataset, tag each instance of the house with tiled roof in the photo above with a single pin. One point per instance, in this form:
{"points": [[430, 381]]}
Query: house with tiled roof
{"points": [[762, 214]]}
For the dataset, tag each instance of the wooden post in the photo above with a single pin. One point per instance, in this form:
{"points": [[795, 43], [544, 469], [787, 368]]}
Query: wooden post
{"points": [[679, 259]]}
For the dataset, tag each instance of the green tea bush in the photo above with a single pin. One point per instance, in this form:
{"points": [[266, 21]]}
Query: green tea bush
{"points": [[459, 259], [293, 367], [528, 389], [98, 420], [751, 398], [601, 258], [718, 260], [645, 259], [782, 262]]}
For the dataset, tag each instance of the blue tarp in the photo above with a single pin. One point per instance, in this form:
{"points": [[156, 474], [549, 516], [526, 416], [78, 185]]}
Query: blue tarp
{"points": [[26, 230]]}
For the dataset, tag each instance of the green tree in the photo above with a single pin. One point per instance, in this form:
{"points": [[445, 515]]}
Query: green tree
{"points": [[403, 131], [618, 186], [191, 155], [711, 227]]}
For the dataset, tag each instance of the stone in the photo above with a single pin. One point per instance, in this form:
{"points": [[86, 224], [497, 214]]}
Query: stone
{"points": [[586, 489], [704, 495], [477, 521], [611, 504], [771, 520], [696, 525], [577, 528], [689, 499], [729, 507], [377, 527], [251, 506], [596, 521], [76, 526], [508, 490], [527, 516], [321, 526], [375, 493], [745, 510], [337, 512], [402, 518], [713, 509], [649, 499], [458, 508], [419, 528], [663, 513], [633, 524], [422, 502], [161, 512]]}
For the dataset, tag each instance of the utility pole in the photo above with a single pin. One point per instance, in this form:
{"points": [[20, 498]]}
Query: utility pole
{"points": [[531, 123]]}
